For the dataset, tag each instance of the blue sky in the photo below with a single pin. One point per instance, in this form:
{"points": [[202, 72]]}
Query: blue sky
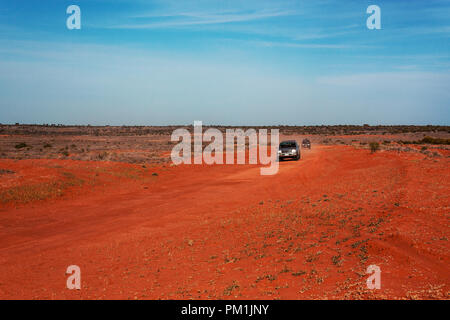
{"points": [[247, 62]]}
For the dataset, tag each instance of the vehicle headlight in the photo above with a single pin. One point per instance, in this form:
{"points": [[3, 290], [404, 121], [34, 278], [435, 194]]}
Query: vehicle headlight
{"points": [[294, 151], [279, 151]]}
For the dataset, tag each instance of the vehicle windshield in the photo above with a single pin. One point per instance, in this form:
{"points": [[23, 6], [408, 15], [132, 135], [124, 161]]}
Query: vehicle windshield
{"points": [[287, 145]]}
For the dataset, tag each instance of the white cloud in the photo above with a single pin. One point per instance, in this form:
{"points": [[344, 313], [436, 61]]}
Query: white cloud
{"points": [[192, 19], [308, 45]]}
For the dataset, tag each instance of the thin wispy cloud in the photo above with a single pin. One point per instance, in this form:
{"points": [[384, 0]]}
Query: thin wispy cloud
{"points": [[193, 19], [429, 30], [322, 34], [286, 32], [308, 45]]}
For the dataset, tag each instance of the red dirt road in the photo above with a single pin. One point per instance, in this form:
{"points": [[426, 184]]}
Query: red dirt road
{"points": [[226, 232]]}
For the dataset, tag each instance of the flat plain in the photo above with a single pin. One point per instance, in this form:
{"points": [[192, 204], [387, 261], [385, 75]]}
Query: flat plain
{"points": [[109, 200]]}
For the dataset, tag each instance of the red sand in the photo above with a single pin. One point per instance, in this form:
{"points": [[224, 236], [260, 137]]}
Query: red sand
{"points": [[227, 232]]}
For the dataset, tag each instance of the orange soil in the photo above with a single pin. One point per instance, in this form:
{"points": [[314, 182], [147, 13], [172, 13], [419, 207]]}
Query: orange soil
{"points": [[226, 232]]}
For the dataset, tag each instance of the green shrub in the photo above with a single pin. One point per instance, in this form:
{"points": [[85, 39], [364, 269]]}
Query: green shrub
{"points": [[430, 140], [102, 155], [21, 145], [374, 147]]}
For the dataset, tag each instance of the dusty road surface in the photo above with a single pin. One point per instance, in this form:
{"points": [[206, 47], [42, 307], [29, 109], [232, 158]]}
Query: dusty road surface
{"points": [[225, 231]]}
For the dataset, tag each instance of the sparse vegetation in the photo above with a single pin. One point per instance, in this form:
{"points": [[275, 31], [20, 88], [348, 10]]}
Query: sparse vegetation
{"points": [[103, 155], [228, 290], [336, 259], [374, 147], [21, 145], [428, 140], [131, 144], [39, 191], [6, 171]]}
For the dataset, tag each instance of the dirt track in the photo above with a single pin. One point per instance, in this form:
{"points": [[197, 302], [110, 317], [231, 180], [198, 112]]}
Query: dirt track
{"points": [[226, 232]]}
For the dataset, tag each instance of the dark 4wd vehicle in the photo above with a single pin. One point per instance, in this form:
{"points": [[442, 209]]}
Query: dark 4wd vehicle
{"points": [[306, 143], [289, 149]]}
